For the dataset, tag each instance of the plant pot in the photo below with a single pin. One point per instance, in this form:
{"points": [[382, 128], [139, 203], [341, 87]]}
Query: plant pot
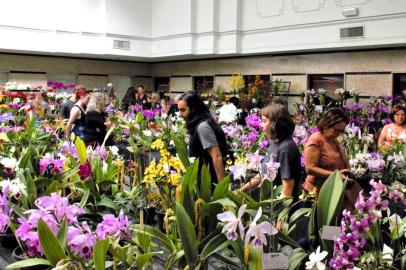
{"points": [[19, 256], [8, 240]]}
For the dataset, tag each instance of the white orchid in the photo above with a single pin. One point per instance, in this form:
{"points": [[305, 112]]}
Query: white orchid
{"points": [[270, 170], [9, 164], [259, 231], [239, 170], [315, 260], [396, 223], [232, 223], [114, 150], [147, 133], [254, 161], [16, 187], [387, 253]]}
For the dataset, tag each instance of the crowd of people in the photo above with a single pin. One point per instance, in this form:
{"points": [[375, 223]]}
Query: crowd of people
{"points": [[323, 154]]}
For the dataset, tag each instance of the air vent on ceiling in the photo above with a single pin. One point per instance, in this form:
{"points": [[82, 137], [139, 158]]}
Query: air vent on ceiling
{"points": [[352, 32], [121, 44]]}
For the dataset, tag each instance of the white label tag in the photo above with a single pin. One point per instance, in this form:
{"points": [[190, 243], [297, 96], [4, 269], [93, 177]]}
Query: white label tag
{"points": [[273, 261], [329, 232], [319, 108], [239, 110]]}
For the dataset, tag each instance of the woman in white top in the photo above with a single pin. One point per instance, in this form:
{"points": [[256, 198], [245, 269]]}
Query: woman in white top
{"points": [[395, 131]]}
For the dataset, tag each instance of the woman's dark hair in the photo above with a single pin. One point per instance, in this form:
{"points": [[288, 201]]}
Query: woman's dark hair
{"points": [[395, 110], [198, 111], [283, 123], [332, 117]]}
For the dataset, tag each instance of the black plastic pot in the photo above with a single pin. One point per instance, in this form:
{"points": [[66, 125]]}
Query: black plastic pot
{"points": [[8, 240], [18, 255]]}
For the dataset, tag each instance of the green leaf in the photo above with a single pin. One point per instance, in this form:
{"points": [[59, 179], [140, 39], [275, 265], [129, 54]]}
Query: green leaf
{"points": [[287, 240], [190, 178], [107, 202], [181, 150], [107, 136], [225, 202], [255, 260], [330, 199], [403, 263], [28, 263], [81, 149], [216, 244], [145, 241], [50, 245], [296, 259], [299, 213], [187, 201], [142, 260], [63, 234], [99, 254], [156, 234], [52, 188], [173, 259], [205, 188], [84, 199], [187, 235], [238, 247], [221, 189]]}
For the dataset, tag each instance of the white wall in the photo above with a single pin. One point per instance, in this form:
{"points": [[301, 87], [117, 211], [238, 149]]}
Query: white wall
{"points": [[160, 28]]}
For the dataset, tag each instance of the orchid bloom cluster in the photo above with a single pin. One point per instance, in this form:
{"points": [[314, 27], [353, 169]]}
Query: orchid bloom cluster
{"points": [[9, 164], [256, 231], [348, 247], [253, 121], [5, 210], [81, 239], [51, 166]]}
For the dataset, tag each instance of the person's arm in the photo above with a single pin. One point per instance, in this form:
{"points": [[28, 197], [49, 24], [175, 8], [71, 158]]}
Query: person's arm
{"points": [[74, 114], [287, 187], [382, 136], [254, 182], [217, 158]]}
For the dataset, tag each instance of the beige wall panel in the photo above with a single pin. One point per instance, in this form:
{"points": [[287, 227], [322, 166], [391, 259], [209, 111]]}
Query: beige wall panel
{"points": [[298, 82], [29, 78], [370, 84], [180, 84], [223, 82], [92, 82]]}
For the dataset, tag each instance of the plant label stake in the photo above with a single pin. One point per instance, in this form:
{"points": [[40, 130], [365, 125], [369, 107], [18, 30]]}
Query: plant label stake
{"points": [[330, 232], [273, 261]]}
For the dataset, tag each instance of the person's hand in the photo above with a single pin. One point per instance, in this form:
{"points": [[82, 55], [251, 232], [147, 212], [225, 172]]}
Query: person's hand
{"points": [[344, 171]]}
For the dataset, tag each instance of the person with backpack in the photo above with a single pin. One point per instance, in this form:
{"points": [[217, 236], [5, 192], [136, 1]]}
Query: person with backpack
{"points": [[206, 138], [77, 115]]}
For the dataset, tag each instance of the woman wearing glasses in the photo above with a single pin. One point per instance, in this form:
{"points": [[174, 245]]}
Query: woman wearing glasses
{"points": [[323, 155]]}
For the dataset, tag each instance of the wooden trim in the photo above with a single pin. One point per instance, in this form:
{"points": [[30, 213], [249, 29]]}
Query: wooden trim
{"points": [[27, 72], [180, 76], [288, 74], [368, 73]]}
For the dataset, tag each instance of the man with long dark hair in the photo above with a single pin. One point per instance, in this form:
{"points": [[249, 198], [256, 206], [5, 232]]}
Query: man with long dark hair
{"points": [[207, 140]]}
